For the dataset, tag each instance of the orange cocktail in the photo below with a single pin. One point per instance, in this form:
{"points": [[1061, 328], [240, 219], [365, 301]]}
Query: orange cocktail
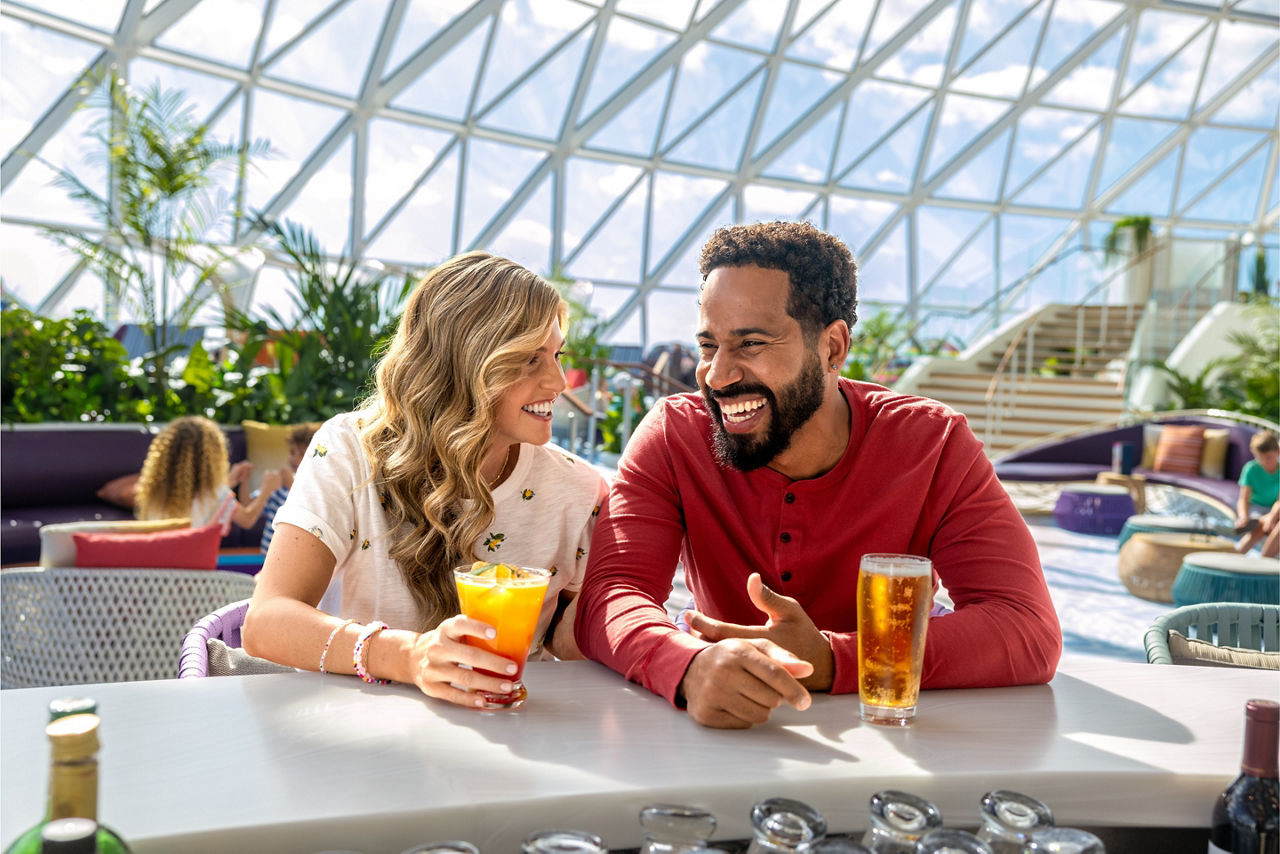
{"points": [[509, 598]]}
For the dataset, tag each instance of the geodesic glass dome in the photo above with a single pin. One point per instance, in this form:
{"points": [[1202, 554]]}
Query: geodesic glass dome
{"points": [[955, 145]]}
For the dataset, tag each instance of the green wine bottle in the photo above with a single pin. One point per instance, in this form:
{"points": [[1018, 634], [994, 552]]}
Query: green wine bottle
{"points": [[73, 783]]}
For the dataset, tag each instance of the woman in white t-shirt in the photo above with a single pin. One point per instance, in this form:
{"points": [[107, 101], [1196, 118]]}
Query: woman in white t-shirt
{"points": [[446, 463]]}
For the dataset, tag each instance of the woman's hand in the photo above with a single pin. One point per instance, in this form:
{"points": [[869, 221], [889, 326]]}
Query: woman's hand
{"points": [[438, 656]]}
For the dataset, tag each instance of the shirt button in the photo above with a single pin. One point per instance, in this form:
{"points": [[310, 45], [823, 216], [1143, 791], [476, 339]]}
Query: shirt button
{"points": [[786, 538], [786, 576], [790, 498]]}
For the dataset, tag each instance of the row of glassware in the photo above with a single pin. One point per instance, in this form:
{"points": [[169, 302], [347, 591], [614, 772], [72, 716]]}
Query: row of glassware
{"points": [[901, 823]]}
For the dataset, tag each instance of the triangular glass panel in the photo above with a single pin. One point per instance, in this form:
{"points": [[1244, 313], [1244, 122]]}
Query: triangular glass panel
{"points": [[924, 57], [494, 171], [1070, 27], [288, 20], [527, 239], [980, 179], [32, 262], [1131, 140], [1042, 133], [796, 90], [352, 34], [1089, 84], [324, 204], [590, 187], [629, 47], [613, 253], [444, 89], [884, 271], [963, 119], [986, 20], [627, 332], [717, 139], [33, 193], [634, 128], [1151, 194], [537, 106], [23, 53], [1024, 241], [672, 13], [295, 127], [1211, 151], [874, 108], [1001, 70], [1168, 94], [224, 180], [678, 201], [404, 239], [1274, 202], [890, 18], [1236, 198], [527, 31], [1063, 184], [754, 24], [202, 92], [707, 72], [942, 232], [834, 38], [225, 32], [103, 15], [969, 279], [1236, 46], [892, 165], [807, 11], [1257, 104], [856, 220], [684, 272], [1262, 7], [671, 316], [809, 157], [765, 204], [1158, 34], [423, 20], [399, 154]]}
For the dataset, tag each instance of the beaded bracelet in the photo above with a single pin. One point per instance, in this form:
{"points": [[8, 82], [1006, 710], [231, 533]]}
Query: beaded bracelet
{"points": [[333, 634], [358, 654]]}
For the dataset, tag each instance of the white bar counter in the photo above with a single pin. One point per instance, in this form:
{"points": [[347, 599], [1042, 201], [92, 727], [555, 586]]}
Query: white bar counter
{"points": [[304, 762]]}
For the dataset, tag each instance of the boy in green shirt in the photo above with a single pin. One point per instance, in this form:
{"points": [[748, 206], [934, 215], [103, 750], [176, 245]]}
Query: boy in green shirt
{"points": [[1260, 487]]}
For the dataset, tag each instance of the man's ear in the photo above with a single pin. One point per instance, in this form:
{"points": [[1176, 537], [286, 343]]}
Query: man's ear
{"points": [[836, 340]]}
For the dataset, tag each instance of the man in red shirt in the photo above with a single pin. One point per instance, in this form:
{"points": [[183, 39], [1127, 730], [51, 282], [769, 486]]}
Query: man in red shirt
{"points": [[769, 487]]}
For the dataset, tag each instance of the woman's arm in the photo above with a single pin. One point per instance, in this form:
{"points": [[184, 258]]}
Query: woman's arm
{"points": [[283, 625], [246, 515]]}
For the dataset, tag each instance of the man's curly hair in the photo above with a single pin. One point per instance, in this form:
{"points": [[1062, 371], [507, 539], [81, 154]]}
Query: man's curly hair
{"points": [[823, 274]]}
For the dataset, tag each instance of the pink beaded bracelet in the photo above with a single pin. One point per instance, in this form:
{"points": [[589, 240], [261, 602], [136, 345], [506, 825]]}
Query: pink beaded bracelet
{"points": [[333, 634], [358, 654]]}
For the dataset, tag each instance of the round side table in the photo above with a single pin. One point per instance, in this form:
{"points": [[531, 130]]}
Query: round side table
{"points": [[1223, 577], [1149, 563]]}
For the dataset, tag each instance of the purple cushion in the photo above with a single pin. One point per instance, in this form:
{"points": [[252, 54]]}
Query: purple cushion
{"points": [[1049, 471]]}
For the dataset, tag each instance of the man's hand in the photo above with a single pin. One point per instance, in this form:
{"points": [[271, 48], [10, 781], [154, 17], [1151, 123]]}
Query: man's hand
{"points": [[788, 626], [737, 683]]}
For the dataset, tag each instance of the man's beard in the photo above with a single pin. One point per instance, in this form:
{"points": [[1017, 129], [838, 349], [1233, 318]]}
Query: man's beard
{"points": [[794, 405]]}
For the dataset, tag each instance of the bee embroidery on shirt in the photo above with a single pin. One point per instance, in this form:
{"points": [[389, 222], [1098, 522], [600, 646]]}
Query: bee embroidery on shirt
{"points": [[596, 511], [570, 459], [315, 529], [581, 552], [527, 494], [494, 541], [353, 533], [320, 451], [554, 571], [382, 499], [364, 545]]}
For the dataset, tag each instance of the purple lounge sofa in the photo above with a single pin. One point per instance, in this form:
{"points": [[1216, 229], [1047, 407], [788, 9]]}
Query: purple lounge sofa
{"points": [[1082, 456], [52, 472]]}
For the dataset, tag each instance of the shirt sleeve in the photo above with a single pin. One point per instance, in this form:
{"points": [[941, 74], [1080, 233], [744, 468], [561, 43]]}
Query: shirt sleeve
{"points": [[622, 621], [322, 498]]}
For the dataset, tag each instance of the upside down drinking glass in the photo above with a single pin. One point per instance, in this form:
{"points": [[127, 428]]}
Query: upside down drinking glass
{"points": [[509, 598], [894, 593]]}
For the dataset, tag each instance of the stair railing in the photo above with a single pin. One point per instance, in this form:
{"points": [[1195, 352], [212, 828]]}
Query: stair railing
{"points": [[1002, 394]]}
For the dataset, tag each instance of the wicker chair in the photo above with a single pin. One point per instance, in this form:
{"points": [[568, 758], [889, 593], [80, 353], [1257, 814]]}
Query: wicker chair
{"points": [[72, 626], [1235, 624], [212, 647]]}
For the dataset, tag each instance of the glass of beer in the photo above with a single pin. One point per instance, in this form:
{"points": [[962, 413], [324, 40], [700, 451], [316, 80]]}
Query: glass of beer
{"points": [[509, 598], [894, 594]]}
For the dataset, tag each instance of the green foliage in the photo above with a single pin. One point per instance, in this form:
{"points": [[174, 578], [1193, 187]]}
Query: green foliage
{"points": [[1250, 382], [1140, 226], [582, 345], [1258, 274], [1192, 392], [882, 347], [65, 370]]}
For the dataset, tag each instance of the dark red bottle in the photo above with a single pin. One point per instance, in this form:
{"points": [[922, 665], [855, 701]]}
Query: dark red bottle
{"points": [[1246, 818]]}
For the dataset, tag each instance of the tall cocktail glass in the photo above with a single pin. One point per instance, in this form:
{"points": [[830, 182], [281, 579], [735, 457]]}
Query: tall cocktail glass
{"points": [[509, 598], [894, 595]]}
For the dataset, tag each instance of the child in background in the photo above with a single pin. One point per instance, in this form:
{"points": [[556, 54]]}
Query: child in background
{"points": [[186, 474], [299, 439], [1260, 490]]}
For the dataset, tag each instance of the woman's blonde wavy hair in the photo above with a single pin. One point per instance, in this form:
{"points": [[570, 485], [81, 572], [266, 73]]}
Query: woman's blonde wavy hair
{"points": [[468, 330], [186, 460]]}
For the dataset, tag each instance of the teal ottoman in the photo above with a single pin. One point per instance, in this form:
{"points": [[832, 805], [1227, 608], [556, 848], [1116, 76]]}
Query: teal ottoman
{"points": [[1227, 577], [1150, 523]]}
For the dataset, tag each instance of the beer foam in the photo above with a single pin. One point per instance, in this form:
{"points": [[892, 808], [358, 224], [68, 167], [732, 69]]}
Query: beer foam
{"points": [[897, 566]]}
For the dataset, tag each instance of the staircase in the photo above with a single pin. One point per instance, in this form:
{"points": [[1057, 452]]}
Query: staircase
{"points": [[1073, 377]]}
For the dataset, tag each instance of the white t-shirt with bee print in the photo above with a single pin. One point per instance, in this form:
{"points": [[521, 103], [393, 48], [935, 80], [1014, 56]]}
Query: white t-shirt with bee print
{"points": [[544, 513]]}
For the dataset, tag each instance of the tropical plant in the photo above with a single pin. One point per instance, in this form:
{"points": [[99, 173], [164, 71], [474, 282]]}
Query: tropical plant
{"points": [[1258, 274], [1137, 226], [1192, 391], [875, 353], [323, 353], [582, 346], [1250, 381], [157, 214]]}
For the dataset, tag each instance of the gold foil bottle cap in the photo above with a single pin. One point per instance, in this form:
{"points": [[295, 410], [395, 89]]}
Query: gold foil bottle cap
{"points": [[73, 737]]}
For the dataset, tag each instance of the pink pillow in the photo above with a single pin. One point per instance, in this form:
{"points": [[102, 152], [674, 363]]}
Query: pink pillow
{"points": [[1178, 449], [184, 548]]}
